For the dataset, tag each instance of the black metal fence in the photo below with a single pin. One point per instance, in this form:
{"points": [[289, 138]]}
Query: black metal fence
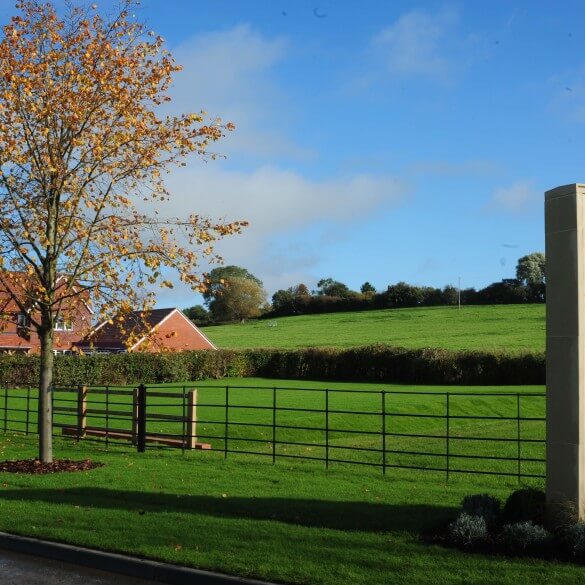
{"points": [[495, 433]]}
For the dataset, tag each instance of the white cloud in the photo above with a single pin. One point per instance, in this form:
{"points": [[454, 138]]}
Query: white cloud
{"points": [[279, 204], [275, 199], [518, 198], [414, 45], [229, 74]]}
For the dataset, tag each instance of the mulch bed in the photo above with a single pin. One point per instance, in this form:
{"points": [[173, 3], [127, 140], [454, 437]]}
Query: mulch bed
{"points": [[58, 465]]}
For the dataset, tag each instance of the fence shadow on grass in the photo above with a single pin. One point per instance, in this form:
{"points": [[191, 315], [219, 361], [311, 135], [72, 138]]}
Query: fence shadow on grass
{"points": [[340, 515]]}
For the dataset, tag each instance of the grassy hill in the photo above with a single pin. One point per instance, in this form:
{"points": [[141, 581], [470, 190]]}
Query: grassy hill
{"points": [[510, 327]]}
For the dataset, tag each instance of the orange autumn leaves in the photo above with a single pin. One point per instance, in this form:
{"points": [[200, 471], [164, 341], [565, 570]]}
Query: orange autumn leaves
{"points": [[84, 148]]}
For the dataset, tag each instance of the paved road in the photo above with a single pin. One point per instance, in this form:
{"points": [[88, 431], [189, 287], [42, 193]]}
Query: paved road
{"points": [[17, 569]]}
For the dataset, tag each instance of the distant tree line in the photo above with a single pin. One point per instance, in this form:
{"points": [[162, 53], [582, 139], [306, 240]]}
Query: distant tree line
{"points": [[235, 294]]}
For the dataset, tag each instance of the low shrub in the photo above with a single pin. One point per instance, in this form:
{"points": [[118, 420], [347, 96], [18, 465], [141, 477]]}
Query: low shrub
{"points": [[574, 539], [525, 505], [525, 537], [483, 505], [468, 531]]}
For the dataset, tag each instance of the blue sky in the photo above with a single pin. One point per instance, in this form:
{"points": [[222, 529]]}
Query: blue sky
{"points": [[376, 140]]}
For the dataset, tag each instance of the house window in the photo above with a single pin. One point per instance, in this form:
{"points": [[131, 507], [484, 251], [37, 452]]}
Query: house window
{"points": [[63, 324], [22, 321]]}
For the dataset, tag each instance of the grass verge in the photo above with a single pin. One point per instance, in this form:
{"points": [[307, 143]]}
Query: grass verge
{"points": [[291, 522]]}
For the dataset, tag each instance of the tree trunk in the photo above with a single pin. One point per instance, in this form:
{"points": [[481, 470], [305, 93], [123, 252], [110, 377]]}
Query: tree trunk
{"points": [[45, 396]]}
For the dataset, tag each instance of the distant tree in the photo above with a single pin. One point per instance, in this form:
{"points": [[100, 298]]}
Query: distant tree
{"points": [[333, 288], [402, 294], [450, 295], [530, 271], [507, 292], [367, 288], [198, 314], [215, 281], [301, 290], [469, 296], [240, 299], [282, 300]]}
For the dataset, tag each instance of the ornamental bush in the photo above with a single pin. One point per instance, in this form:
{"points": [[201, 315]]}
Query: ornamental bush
{"points": [[574, 538], [525, 505], [484, 505], [468, 531], [525, 537]]}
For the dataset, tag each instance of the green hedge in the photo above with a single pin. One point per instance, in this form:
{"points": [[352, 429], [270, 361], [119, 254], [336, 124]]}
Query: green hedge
{"points": [[377, 363]]}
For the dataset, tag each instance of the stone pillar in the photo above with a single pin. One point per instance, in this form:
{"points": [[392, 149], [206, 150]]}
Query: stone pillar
{"points": [[565, 363]]}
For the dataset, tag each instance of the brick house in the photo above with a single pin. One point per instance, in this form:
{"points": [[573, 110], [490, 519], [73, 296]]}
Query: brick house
{"points": [[164, 330], [16, 333]]}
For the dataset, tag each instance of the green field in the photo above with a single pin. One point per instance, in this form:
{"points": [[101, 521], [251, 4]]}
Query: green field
{"points": [[502, 327], [292, 521]]}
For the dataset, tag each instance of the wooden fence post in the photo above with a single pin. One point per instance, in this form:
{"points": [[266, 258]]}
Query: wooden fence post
{"points": [[191, 419], [81, 411]]}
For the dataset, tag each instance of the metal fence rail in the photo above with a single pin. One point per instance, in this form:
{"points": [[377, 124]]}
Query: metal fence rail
{"points": [[450, 432]]}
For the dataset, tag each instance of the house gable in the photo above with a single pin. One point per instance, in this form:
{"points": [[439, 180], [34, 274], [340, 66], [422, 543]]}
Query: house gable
{"points": [[175, 332], [167, 330]]}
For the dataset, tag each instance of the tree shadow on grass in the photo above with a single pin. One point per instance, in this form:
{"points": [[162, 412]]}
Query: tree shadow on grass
{"points": [[342, 515]]}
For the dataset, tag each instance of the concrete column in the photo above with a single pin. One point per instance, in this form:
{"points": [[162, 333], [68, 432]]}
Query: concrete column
{"points": [[565, 363]]}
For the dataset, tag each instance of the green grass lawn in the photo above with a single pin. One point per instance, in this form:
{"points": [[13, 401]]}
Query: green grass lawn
{"points": [[290, 522], [509, 327], [293, 521]]}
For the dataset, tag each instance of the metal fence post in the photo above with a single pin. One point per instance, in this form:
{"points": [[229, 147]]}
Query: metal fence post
{"points": [[384, 432], [107, 417], [225, 438], [52, 392], [5, 408], [518, 432], [327, 428], [27, 408], [274, 425], [141, 422], [192, 419], [447, 435], [81, 411], [134, 416]]}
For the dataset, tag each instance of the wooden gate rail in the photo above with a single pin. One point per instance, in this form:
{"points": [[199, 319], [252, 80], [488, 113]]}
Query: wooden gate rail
{"points": [[138, 418]]}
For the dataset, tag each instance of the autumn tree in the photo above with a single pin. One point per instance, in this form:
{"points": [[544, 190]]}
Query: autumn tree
{"points": [[240, 299], [83, 149], [216, 279]]}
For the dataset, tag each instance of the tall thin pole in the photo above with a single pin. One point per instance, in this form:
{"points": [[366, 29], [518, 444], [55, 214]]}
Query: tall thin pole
{"points": [[459, 295]]}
